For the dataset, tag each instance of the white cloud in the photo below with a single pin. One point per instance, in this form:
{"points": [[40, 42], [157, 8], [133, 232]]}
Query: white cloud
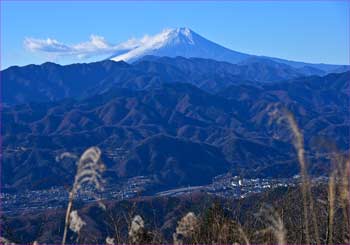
{"points": [[96, 46]]}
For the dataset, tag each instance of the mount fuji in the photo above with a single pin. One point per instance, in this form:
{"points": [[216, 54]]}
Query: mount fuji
{"points": [[187, 43], [179, 42]]}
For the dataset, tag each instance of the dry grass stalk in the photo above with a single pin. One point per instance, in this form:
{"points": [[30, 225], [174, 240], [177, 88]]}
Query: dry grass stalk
{"points": [[282, 114], [345, 199], [116, 222], [89, 171], [243, 235], [338, 193], [299, 147], [276, 225], [307, 195], [331, 202]]}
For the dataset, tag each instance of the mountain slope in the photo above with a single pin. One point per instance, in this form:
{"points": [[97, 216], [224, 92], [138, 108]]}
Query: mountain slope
{"points": [[176, 161], [139, 131], [52, 82], [187, 43]]}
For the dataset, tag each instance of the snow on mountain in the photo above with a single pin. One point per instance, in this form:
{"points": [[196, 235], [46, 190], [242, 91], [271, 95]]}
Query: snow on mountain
{"points": [[177, 42], [186, 43]]}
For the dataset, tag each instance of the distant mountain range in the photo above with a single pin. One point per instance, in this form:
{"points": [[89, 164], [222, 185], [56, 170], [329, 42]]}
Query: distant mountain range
{"points": [[51, 82], [187, 43]]}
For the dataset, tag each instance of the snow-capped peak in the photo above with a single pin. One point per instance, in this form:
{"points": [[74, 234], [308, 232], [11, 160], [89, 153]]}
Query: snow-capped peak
{"points": [[139, 47], [166, 36], [180, 35], [173, 42]]}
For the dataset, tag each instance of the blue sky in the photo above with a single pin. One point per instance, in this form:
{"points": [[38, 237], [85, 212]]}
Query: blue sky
{"points": [[315, 31]]}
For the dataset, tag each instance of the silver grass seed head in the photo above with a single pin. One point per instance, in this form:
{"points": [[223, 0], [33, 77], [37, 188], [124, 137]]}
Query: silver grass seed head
{"points": [[137, 223], [4, 241], [64, 155], [75, 223], [187, 225], [110, 240], [137, 229], [185, 228], [90, 169]]}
